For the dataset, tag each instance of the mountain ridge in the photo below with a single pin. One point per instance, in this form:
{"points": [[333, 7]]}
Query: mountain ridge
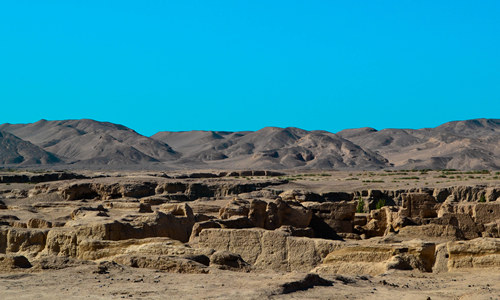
{"points": [[468, 144]]}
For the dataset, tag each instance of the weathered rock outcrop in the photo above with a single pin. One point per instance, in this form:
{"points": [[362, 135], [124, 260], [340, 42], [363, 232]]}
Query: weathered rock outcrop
{"points": [[229, 260], [481, 213], [89, 249], [162, 263], [432, 232], [492, 229], [221, 189], [309, 281], [267, 249], [12, 262], [70, 240], [37, 178], [230, 174], [90, 190], [156, 224], [175, 190], [301, 196], [422, 216], [270, 215], [237, 207], [143, 221], [241, 213], [477, 253], [21, 241], [38, 223], [331, 218], [419, 205], [375, 259]]}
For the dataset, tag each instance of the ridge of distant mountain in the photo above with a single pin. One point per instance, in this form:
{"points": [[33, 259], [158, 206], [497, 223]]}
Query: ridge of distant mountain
{"points": [[15, 151], [469, 144], [271, 147], [88, 142]]}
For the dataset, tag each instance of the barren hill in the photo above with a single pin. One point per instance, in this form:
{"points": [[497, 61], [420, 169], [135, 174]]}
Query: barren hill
{"points": [[13, 150], [271, 147], [470, 144], [87, 142]]}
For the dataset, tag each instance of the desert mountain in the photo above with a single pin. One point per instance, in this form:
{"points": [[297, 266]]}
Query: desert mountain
{"points": [[13, 150], [271, 147], [471, 144], [88, 142]]}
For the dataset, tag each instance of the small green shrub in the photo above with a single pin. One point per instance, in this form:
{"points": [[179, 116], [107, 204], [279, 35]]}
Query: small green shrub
{"points": [[380, 204], [482, 198], [361, 206]]}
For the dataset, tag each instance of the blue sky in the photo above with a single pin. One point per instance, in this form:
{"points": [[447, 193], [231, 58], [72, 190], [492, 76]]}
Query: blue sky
{"points": [[243, 65]]}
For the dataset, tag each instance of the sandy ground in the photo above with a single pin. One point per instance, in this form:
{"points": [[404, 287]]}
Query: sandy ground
{"points": [[82, 282], [349, 181], [328, 181]]}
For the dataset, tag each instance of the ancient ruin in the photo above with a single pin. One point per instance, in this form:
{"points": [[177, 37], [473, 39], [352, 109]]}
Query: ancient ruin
{"points": [[247, 222]]}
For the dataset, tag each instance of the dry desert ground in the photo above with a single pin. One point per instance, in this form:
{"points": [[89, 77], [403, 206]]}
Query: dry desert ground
{"points": [[205, 234]]}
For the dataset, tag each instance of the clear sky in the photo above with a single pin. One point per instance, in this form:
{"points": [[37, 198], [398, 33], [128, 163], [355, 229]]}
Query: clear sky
{"points": [[243, 65]]}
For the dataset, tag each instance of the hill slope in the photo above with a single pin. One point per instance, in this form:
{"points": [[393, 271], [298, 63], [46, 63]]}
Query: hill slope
{"points": [[90, 142], [471, 144], [15, 151], [270, 147]]}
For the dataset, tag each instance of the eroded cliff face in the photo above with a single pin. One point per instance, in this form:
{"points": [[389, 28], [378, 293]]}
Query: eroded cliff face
{"points": [[193, 223]]}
